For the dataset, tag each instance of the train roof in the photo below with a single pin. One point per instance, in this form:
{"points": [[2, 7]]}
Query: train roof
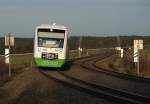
{"points": [[53, 26]]}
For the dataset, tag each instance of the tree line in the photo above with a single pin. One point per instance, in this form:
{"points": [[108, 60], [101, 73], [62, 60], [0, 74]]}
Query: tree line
{"points": [[25, 45]]}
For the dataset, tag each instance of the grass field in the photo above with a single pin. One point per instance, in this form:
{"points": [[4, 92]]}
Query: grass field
{"points": [[147, 52], [27, 59], [21, 59], [18, 63]]}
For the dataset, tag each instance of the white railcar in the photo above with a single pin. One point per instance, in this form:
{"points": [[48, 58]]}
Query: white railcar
{"points": [[50, 45]]}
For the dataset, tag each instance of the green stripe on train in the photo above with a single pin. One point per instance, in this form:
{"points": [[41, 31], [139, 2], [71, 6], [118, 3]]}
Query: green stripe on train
{"points": [[49, 63]]}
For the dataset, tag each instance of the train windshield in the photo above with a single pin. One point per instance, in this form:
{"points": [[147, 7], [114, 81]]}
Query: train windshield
{"points": [[50, 42], [51, 38]]}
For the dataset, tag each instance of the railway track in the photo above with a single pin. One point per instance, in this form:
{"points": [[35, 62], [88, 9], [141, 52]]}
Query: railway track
{"points": [[96, 90], [99, 69], [100, 91], [122, 75], [121, 96]]}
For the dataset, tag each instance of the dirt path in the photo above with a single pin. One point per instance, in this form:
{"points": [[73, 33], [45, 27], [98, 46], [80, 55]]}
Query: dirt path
{"points": [[31, 87]]}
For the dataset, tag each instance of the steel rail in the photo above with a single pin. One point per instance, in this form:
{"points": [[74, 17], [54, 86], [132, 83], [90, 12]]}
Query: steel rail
{"points": [[113, 73], [85, 64], [98, 90], [115, 93], [90, 89]]}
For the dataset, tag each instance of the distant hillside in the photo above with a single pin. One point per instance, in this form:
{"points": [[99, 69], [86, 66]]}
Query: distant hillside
{"points": [[25, 45], [106, 42], [22, 45]]}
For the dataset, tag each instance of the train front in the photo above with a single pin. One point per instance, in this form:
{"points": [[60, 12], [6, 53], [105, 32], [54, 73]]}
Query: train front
{"points": [[50, 46]]}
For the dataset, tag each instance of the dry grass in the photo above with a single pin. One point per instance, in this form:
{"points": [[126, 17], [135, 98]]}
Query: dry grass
{"points": [[3, 73], [144, 61]]}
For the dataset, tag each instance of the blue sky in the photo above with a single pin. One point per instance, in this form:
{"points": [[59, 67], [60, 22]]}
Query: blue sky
{"points": [[82, 17]]}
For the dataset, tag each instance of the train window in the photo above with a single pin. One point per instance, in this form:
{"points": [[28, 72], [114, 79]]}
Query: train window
{"points": [[50, 42], [54, 30]]}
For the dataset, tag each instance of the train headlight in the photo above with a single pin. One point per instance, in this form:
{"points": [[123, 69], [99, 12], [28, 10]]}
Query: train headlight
{"points": [[51, 30]]}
